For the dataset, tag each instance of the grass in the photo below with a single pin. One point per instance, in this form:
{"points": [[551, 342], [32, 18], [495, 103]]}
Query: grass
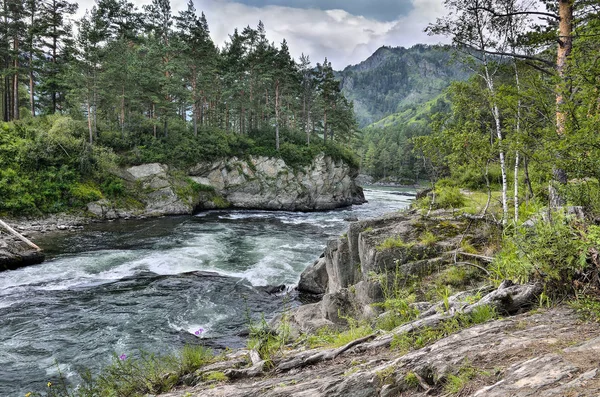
{"points": [[456, 383], [587, 308], [215, 376], [393, 242], [134, 377], [328, 337], [427, 238], [426, 336]]}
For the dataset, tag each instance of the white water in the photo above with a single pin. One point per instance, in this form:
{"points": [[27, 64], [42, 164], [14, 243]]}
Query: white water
{"points": [[124, 286]]}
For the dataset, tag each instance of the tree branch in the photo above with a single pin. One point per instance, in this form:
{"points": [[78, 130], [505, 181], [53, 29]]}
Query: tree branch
{"points": [[508, 54], [510, 14]]}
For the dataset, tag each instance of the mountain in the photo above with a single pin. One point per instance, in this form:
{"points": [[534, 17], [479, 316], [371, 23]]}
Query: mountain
{"points": [[395, 79]]}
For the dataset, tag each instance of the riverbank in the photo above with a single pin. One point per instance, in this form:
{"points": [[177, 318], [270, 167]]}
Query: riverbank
{"points": [[408, 309], [149, 284]]}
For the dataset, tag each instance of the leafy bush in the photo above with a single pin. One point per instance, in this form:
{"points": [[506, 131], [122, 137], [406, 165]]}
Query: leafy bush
{"points": [[449, 197], [555, 252]]}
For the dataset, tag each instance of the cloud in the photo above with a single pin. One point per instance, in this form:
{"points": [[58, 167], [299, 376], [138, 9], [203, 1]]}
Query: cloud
{"points": [[341, 36], [382, 10]]}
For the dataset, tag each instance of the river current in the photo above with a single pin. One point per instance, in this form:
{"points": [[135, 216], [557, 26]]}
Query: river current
{"points": [[126, 286]]}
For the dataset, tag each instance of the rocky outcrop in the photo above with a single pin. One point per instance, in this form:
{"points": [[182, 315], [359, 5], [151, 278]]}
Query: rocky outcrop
{"points": [[253, 183], [354, 264], [547, 353], [158, 191], [268, 183], [15, 254]]}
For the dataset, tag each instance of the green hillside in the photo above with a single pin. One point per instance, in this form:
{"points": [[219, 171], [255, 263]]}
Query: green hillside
{"points": [[396, 80]]}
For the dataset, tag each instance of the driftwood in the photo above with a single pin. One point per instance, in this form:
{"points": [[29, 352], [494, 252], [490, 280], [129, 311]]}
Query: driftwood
{"points": [[19, 236], [323, 355], [507, 298], [482, 258]]}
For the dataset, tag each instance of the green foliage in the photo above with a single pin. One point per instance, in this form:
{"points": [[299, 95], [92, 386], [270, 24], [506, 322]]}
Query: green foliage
{"points": [[398, 311], [411, 380], [587, 308], [552, 251], [393, 242], [420, 338], [215, 376], [456, 383], [428, 238], [328, 337], [585, 193], [135, 377], [449, 197], [398, 298], [85, 193]]}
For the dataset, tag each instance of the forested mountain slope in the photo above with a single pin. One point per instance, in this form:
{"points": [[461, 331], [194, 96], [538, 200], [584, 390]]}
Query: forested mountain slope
{"points": [[394, 78]]}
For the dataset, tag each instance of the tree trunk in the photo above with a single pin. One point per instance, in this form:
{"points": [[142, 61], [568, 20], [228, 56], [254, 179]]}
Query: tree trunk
{"points": [[31, 86], [496, 113], [54, 45], [325, 126], [89, 119], [31, 77], [277, 115], [16, 81], [123, 111], [565, 45], [154, 119]]}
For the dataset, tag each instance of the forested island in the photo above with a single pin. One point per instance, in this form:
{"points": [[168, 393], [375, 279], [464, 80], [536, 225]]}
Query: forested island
{"points": [[485, 284]]}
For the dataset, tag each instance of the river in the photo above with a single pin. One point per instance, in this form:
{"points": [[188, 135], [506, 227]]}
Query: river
{"points": [[125, 286]]}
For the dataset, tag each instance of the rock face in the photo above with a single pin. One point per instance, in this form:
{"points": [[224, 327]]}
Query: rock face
{"points": [[157, 191], [253, 183], [268, 183], [15, 254], [351, 261]]}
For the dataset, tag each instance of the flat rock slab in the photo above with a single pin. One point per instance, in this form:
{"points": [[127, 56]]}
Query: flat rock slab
{"points": [[548, 353]]}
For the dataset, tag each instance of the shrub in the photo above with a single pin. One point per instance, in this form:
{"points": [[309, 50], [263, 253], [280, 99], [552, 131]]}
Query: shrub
{"points": [[449, 197]]}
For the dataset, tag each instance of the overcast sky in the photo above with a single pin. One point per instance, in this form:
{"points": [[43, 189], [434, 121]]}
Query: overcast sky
{"points": [[344, 31]]}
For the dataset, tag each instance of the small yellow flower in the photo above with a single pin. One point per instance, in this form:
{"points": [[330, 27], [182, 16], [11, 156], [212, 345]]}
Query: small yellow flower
{"points": [[49, 384], [28, 394]]}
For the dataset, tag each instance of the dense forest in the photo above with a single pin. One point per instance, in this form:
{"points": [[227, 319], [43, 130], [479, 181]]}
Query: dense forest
{"points": [[125, 86]]}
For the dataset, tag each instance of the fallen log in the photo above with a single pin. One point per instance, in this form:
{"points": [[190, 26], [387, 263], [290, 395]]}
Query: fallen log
{"points": [[19, 236]]}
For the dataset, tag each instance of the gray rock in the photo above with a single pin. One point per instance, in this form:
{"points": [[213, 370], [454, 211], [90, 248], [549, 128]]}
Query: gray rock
{"points": [[314, 279], [269, 183], [15, 254]]}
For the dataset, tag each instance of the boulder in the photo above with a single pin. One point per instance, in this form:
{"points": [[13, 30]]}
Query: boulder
{"points": [[314, 279], [15, 254]]}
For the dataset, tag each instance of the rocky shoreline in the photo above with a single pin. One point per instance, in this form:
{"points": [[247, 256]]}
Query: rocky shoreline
{"points": [[158, 190], [545, 352]]}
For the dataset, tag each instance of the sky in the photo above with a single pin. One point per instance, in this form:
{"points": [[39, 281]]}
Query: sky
{"points": [[344, 31]]}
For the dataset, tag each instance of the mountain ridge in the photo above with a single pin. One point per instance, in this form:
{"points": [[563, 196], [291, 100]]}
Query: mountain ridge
{"points": [[395, 77]]}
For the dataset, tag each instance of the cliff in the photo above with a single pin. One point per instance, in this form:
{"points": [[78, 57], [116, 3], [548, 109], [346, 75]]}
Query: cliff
{"points": [[252, 183]]}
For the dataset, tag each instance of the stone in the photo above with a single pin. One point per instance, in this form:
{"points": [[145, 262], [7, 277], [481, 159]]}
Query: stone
{"points": [[268, 183], [314, 279]]}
